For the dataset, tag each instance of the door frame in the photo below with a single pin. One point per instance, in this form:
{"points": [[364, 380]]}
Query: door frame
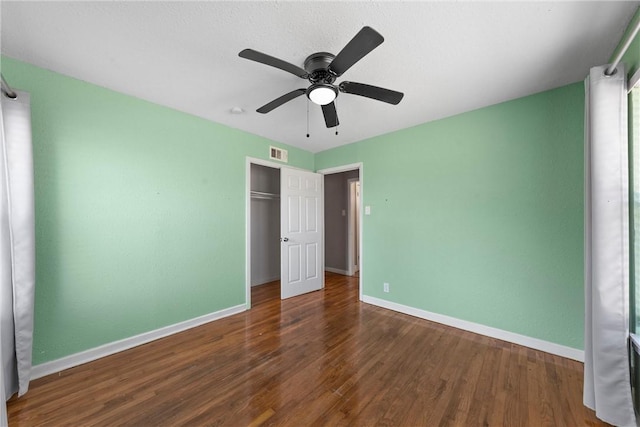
{"points": [[345, 168], [351, 262]]}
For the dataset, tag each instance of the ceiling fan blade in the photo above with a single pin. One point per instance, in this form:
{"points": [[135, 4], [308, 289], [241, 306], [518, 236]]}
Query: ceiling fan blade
{"points": [[263, 58], [279, 101], [373, 92], [330, 115], [364, 42]]}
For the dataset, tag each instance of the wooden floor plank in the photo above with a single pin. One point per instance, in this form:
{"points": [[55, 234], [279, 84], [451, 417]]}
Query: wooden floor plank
{"points": [[324, 358]]}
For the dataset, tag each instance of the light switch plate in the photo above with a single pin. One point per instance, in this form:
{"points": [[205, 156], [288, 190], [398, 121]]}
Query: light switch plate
{"points": [[367, 210]]}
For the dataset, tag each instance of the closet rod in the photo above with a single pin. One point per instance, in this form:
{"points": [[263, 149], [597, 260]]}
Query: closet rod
{"points": [[6, 89], [609, 71], [263, 195]]}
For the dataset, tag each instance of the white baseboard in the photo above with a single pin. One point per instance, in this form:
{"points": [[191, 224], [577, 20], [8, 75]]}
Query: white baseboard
{"points": [[336, 270], [535, 343], [76, 359]]}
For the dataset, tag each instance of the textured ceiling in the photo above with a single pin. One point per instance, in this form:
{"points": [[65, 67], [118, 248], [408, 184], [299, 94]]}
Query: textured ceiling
{"points": [[447, 57]]}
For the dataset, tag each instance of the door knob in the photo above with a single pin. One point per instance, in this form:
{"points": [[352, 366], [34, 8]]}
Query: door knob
{"points": [[285, 239]]}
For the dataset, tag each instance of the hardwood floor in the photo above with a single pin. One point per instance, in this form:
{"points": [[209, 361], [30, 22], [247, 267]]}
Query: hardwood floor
{"points": [[319, 359]]}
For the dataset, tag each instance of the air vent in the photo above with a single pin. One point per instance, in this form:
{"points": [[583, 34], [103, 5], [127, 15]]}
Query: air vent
{"points": [[276, 153]]}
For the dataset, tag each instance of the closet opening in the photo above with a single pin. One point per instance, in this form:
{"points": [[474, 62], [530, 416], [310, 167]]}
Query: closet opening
{"points": [[264, 230]]}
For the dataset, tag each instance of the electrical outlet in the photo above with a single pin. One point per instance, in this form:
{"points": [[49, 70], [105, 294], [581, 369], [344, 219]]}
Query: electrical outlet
{"points": [[385, 287]]}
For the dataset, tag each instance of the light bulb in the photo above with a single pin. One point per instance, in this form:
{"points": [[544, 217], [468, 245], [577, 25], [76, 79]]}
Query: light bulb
{"points": [[322, 95]]}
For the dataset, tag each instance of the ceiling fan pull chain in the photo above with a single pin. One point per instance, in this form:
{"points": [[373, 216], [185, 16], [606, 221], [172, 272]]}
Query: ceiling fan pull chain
{"points": [[307, 118], [336, 104]]}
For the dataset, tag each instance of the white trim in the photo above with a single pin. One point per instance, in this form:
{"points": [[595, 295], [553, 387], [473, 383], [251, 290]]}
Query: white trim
{"points": [[92, 354], [247, 234], [535, 343], [352, 264], [322, 224], [634, 80], [337, 271], [345, 168], [338, 169], [267, 163]]}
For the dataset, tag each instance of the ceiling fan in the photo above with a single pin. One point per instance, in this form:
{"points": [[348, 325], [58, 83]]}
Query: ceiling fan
{"points": [[322, 69]]}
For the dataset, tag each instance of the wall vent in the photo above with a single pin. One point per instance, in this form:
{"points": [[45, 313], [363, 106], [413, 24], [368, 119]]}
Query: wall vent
{"points": [[276, 153]]}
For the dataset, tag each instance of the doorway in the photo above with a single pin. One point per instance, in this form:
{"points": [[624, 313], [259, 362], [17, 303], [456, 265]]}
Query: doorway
{"points": [[343, 220], [262, 250], [265, 224]]}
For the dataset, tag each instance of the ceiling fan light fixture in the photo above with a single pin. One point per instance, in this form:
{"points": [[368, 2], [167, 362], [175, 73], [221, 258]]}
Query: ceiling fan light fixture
{"points": [[322, 93]]}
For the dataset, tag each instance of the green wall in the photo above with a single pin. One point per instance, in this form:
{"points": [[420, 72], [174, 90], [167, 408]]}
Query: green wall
{"points": [[480, 216], [139, 212]]}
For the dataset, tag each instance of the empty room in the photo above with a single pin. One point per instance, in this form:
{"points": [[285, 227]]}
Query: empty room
{"points": [[291, 213]]}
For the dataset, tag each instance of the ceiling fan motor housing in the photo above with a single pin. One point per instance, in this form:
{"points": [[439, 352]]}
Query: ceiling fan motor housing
{"points": [[317, 65]]}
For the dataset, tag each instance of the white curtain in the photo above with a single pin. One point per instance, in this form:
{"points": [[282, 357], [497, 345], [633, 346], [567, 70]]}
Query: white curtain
{"points": [[607, 387], [17, 247]]}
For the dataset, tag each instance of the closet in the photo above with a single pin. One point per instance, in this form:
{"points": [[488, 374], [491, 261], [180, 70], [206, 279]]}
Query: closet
{"points": [[265, 224]]}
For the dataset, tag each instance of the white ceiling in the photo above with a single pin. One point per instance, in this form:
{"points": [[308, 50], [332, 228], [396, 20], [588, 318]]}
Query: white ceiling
{"points": [[447, 57]]}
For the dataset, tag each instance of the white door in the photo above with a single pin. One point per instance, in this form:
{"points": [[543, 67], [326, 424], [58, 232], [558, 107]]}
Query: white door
{"points": [[301, 231]]}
